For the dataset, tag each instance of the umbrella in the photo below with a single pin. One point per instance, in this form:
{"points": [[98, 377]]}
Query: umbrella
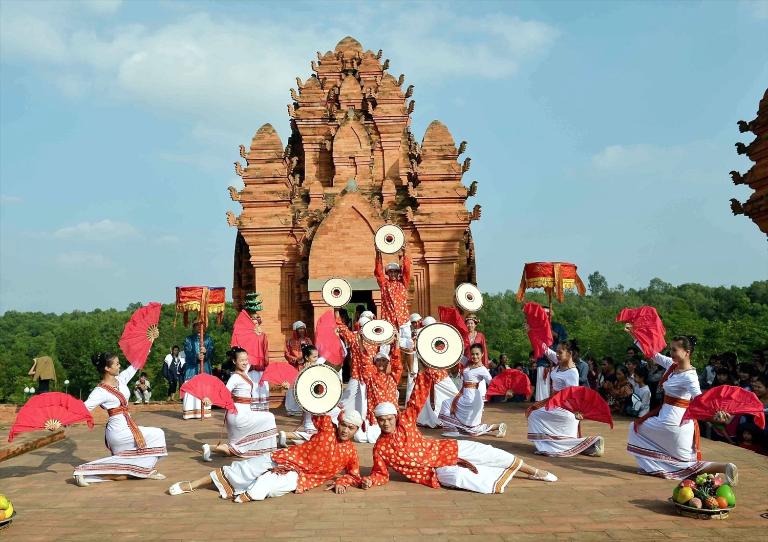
{"points": [[327, 339], [280, 372], [244, 335], [647, 329], [205, 386], [139, 334], [554, 277], [50, 411], [583, 400], [539, 327], [510, 379], [730, 399]]}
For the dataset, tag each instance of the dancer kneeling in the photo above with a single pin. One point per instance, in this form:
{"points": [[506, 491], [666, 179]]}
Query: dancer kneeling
{"points": [[250, 432], [556, 432], [435, 463], [464, 414], [135, 449], [661, 444], [296, 469]]}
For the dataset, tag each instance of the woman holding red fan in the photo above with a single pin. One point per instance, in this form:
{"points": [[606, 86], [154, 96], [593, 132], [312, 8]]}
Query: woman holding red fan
{"points": [[556, 432], [663, 444], [135, 449], [250, 432]]}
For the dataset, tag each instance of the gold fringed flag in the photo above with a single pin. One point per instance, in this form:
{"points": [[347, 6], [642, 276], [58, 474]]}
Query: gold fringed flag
{"points": [[202, 300], [554, 277]]}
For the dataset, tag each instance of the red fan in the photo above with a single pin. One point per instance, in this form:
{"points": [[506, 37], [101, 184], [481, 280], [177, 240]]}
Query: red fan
{"points": [[244, 335], [647, 329], [510, 379], [539, 327], [50, 411], [139, 334], [730, 399], [583, 400], [451, 315], [327, 340], [205, 386], [277, 373]]}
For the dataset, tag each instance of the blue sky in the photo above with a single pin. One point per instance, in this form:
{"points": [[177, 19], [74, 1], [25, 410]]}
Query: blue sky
{"points": [[600, 133]]}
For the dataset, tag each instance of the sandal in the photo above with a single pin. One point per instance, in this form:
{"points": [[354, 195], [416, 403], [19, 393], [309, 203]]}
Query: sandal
{"points": [[549, 477], [502, 431], [176, 488], [207, 453], [80, 481], [154, 475]]}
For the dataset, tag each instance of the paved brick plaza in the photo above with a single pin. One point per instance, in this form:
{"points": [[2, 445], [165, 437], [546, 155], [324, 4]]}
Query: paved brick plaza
{"points": [[595, 499]]}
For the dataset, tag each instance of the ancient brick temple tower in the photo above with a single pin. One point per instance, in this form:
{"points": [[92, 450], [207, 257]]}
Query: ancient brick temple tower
{"points": [[756, 207], [310, 210]]}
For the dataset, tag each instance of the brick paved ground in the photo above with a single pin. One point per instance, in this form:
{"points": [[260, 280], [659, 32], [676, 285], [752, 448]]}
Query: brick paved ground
{"points": [[595, 499]]}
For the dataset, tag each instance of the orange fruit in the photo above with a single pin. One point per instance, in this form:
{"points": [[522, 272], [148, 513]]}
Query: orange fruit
{"points": [[722, 502]]}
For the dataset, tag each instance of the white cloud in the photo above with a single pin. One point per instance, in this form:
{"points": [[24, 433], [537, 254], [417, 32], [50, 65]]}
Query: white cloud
{"points": [[83, 260], [104, 230], [10, 199], [757, 8], [167, 240]]}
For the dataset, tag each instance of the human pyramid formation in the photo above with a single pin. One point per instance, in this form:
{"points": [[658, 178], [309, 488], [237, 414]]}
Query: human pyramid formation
{"points": [[663, 443]]}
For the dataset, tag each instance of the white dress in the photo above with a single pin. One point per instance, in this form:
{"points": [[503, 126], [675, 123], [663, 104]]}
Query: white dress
{"points": [[250, 431], [556, 432], [467, 415], [661, 446], [127, 458], [443, 391]]}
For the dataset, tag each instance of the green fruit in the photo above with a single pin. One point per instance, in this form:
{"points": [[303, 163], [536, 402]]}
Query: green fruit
{"points": [[4, 502], [726, 492], [701, 479], [675, 492]]}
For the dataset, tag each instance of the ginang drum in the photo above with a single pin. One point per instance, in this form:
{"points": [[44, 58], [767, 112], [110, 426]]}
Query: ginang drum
{"points": [[317, 389], [337, 292], [389, 239], [469, 297], [378, 332], [440, 346]]}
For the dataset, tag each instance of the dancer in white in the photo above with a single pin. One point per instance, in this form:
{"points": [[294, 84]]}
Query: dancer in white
{"points": [[556, 432], [135, 449], [464, 414], [662, 446], [250, 432]]}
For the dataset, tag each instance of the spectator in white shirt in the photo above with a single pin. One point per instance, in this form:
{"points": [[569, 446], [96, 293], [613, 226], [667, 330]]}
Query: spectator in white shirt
{"points": [[173, 369], [640, 402]]}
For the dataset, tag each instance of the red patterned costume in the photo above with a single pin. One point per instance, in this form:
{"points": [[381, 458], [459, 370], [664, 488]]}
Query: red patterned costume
{"points": [[394, 293], [361, 352], [381, 387], [293, 349], [406, 450]]}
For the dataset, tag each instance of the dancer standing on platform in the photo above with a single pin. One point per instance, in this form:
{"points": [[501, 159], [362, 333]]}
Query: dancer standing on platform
{"points": [[250, 432], [297, 469], [556, 432], [475, 337], [435, 463], [662, 446], [135, 449], [294, 355], [194, 355], [394, 281], [464, 414]]}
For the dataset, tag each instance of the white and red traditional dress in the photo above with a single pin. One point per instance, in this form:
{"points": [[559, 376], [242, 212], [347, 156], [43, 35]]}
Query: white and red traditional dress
{"points": [[439, 463], [135, 449], [294, 356], [478, 337], [556, 432], [379, 388], [394, 294], [464, 413], [661, 445], [250, 430], [259, 358], [296, 469]]}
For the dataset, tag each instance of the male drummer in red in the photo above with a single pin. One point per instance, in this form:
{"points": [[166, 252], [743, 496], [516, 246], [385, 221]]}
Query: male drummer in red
{"points": [[393, 283], [463, 464]]}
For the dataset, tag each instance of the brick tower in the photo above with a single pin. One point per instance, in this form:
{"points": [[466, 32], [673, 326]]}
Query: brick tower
{"points": [[310, 209]]}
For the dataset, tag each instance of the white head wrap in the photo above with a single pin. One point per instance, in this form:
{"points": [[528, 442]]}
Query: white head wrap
{"points": [[415, 317], [385, 409], [363, 320], [299, 324], [353, 417], [429, 320], [382, 355], [367, 314], [392, 267]]}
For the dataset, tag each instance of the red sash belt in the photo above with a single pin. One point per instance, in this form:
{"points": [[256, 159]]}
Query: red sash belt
{"points": [[241, 400], [137, 436]]}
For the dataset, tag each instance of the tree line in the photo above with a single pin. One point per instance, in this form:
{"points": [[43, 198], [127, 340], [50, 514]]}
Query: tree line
{"points": [[723, 318]]}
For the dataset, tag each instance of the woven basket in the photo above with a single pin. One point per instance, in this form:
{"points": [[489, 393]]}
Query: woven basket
{"points": [[700, 513]]}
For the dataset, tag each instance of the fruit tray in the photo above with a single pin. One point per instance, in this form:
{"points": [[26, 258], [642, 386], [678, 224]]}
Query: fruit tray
{"points": [[701, 513], [7, 521]]}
